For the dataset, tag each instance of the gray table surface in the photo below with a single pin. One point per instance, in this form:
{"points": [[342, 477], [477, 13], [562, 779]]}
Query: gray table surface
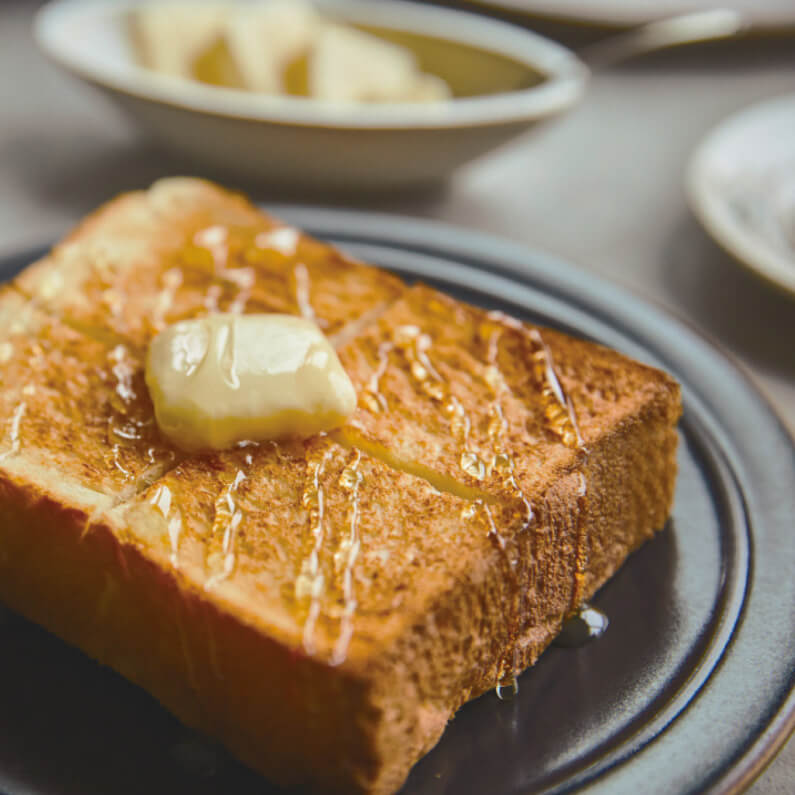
{"points": [[601, 188]]}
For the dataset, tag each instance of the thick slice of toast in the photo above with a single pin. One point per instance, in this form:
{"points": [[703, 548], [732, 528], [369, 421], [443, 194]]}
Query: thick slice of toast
{"points": [[321, 607]]}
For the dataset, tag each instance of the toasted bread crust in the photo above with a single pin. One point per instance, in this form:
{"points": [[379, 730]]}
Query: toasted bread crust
{"points": [[321, 607]]}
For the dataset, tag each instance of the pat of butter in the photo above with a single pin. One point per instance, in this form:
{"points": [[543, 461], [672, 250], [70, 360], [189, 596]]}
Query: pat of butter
{"points": [[224, 379]]}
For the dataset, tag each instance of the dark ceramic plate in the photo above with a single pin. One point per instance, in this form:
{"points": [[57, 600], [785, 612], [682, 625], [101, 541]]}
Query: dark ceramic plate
{"points": [[690, 688]]}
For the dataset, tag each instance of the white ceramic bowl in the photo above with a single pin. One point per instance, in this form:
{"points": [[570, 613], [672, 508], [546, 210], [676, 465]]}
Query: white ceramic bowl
{"points": [[295, 141]]}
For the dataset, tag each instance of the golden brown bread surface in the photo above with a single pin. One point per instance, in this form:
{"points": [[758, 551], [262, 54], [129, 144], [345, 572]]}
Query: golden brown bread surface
{"points": [[321, 607], [185, 248]]}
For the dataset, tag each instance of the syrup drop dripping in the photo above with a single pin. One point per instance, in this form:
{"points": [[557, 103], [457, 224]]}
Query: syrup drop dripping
{"points": [[587, 624], [507, 690]]}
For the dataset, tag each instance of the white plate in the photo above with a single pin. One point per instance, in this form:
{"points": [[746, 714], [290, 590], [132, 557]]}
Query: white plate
{"points": [[299, 141], [760, 14], [741, 185]]}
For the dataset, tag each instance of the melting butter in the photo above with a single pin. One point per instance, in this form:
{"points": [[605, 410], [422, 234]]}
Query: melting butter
{"points": [[228, 378]]}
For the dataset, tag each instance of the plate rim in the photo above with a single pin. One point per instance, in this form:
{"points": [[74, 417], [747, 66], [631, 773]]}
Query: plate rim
{"points": [[586, 291]]}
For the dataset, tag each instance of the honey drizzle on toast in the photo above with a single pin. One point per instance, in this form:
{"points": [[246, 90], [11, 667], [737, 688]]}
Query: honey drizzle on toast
{"points": [[346, 555], [302, 286], [283, 239], [413, 344], [224, 245], [561, 418], [226, 521], [171, 280], [122, 427], [13, 430], [163, 500], [558, 408], [416, 352], [244, 279], [216, 241], [502, 461], [371, 397], [130, 422], [310, 582]]}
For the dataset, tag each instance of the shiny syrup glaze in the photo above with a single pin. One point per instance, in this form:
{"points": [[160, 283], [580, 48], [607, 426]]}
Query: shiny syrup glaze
{"points": [[130, 421], [163, 499], [558, 408], [226, 520], [562, 420], [124, 423], [586, 624], [310, 583], [502, 461], [415, 347], [283, 239], [229, 253], [14, 425], [222, 245], [302, 291], [243, 279], [346, 555], [507, 686], [171, 280], [371, 397]]}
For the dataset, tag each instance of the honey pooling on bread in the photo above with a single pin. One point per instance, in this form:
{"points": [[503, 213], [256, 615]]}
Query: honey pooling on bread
{"points": [[322, 607]]}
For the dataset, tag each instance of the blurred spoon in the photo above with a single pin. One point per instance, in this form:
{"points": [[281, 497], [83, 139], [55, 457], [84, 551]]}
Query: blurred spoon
{"points": [[719, 23]]}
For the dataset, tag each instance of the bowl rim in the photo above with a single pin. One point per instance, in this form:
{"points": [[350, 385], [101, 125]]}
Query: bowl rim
{"points": [[711, 206], [566, 74]]}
